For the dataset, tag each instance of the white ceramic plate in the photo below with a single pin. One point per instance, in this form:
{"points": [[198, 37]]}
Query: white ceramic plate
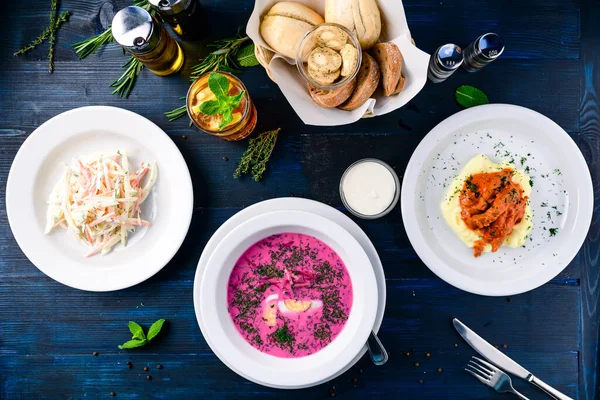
{"points": [[561, 200], [229, 345], [39, 164], [298, 204]]}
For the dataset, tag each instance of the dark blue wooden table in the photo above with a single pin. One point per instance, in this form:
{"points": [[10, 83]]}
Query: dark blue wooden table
{"points": [[48, 331]]}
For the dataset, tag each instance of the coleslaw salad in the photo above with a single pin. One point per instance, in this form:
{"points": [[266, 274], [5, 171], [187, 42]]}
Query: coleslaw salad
{"points": [[98, 200]]}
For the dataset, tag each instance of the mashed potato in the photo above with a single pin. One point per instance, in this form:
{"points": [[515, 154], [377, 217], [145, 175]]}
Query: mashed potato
{"points": [[451, 209]]}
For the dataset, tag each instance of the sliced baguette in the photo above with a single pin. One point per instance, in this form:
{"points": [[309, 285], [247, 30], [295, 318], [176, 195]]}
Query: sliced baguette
{"points": [[389, 58], [331, 98], [367, 81]]}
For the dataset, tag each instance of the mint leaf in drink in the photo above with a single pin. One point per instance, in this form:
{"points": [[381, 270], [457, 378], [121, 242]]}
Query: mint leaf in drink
{"points": [[155, 329], [212, 107], [224, 104], [131, 344], [219, 85], [136, 331], [234, 101], [469, 96]]}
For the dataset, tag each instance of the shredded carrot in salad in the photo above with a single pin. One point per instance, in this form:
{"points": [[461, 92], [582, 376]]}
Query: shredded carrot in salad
{"points": [[98, 199]]}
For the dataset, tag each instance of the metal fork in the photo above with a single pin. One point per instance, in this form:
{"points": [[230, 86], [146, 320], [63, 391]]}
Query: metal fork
{"points": [[491, 376]]}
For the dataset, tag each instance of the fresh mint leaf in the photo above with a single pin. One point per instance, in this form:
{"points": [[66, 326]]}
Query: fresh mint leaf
{"points": [[235, 101], [226, 120], [245, 56], [212, 107], [131, 344], [136, 330], [219, 85], [469, 96], [224, 104], [155, 329]]}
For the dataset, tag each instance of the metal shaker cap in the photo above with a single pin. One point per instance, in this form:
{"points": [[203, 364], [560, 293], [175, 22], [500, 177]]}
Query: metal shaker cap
{"points": [[170, 7], [135, 30], [490, 45], [449, 56]]}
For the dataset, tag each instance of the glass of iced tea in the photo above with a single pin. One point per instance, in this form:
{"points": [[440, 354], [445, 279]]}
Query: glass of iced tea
{"points": [[212, 117]]}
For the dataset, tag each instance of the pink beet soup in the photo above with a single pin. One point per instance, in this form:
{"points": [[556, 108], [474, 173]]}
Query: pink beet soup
{"points": [[289, 295]]}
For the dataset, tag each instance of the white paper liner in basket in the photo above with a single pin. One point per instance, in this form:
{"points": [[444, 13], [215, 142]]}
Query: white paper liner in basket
{"points": [[282, 70]]}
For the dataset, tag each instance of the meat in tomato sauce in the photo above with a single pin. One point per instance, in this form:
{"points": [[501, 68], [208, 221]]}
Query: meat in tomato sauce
{"points": [[491, 205]]}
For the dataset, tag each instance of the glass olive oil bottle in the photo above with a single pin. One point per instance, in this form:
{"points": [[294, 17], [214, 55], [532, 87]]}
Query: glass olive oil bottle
{"points": [[144, 38]]}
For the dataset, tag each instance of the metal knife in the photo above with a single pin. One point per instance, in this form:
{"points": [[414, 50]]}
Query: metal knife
{"points": [[503, 361]]}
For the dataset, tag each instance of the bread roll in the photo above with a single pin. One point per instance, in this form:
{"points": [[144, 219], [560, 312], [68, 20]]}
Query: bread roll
{"points": [[361, 17], [285, 24]]}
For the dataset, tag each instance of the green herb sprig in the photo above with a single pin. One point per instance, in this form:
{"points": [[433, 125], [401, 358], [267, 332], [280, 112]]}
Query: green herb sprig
{"points": [[469, 96], [125, 83], [257, 155], [92, 44], [48, 34], [52, 38], [139, 338], [64, 17], [223, 58]]}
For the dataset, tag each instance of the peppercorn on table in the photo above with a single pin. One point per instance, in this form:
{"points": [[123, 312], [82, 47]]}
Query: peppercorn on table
{"points": [[59, 342]]}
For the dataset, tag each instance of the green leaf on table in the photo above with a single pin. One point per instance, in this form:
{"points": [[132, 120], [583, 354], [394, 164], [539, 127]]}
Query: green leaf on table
{"points": [[155, 329], [136, 331], [219, 85], [469, 96], [245, 56], [131, 344]]}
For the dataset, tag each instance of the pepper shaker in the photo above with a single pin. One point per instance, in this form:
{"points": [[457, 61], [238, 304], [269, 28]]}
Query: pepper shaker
{"points": [[444, 62], [144, 38], [182, 15], [485, 49]]}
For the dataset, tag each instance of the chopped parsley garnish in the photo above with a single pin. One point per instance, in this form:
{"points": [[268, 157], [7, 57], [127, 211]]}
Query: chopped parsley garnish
{"points": [[553, 231], [523, 159], [544, 204], [531, 182], [284, 338]]}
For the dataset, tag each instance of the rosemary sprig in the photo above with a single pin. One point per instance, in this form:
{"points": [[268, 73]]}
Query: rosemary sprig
{"points": [[52, 38], [176, 113], [125, 83], [44, 35], [90, 45], [257, 155], [223, 58]]}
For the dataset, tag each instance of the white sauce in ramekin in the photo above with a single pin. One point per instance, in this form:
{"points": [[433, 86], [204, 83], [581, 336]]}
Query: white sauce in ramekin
{"points": [[368, 188]]}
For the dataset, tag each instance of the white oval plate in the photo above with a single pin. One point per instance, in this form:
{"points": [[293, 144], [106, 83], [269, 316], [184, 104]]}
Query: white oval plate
{"points": [[39, 164], [295, 204], [231, 347], [561, 179]]}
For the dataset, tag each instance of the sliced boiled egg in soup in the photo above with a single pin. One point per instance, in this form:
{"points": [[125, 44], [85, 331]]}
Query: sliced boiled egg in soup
{"points": [[269, 310], [297, 306]]}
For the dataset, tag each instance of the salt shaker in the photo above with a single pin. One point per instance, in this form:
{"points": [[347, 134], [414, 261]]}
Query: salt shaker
{"points": [[485, 49], [444, 62], [182, 15], [145, 38]]}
